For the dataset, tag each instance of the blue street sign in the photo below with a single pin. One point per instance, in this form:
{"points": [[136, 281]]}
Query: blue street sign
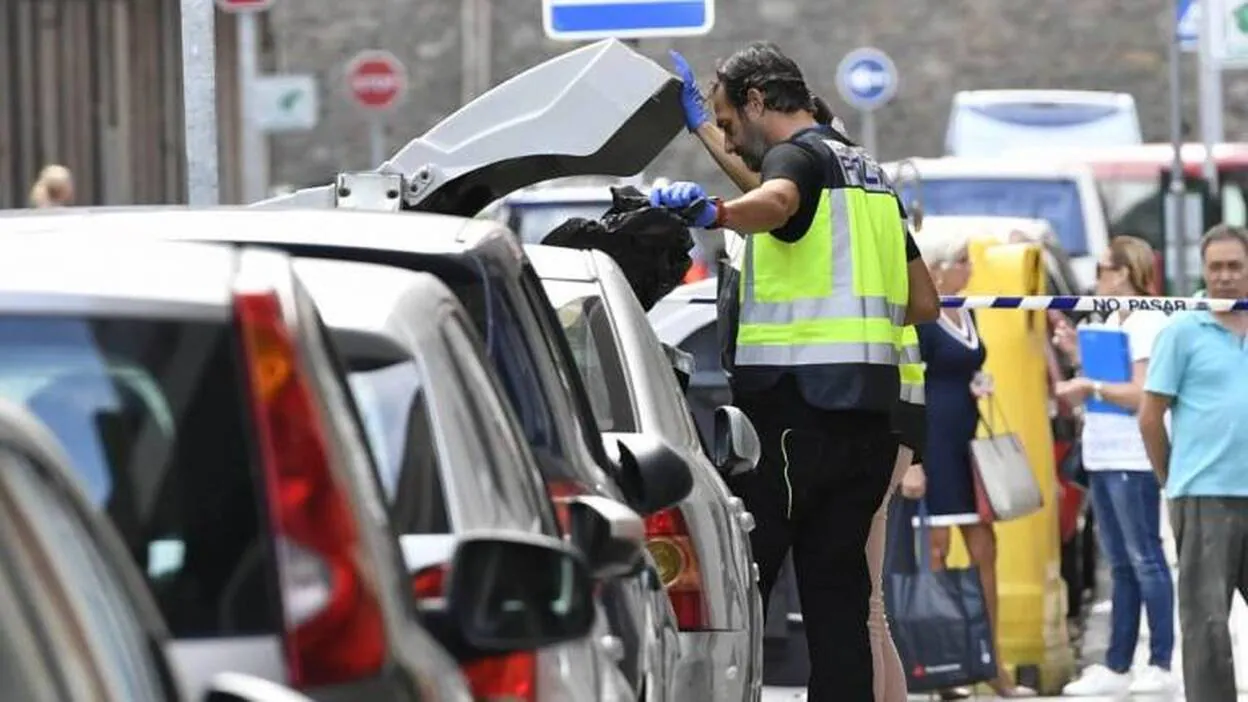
{"points": [[587, 20], [1189, 24], [866, 78]]}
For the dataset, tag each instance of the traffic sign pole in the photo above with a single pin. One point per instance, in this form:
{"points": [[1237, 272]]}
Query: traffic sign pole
{"points": [[253, 147], [199, 102], [867, 80], [1178, 173]]}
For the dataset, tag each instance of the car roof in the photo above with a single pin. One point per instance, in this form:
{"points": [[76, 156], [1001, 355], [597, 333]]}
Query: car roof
{"points": [[958, 166], [562, 263], [986, 224], [42, 272], [363, 296], [995, 96], [407, 231]]}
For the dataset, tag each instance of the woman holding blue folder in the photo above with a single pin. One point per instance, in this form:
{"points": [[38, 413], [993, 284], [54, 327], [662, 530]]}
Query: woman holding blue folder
{"points": [[1126, 497]]}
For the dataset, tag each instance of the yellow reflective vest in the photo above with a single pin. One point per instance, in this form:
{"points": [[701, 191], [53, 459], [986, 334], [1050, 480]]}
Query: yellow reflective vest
{"points": [[834, 301]]}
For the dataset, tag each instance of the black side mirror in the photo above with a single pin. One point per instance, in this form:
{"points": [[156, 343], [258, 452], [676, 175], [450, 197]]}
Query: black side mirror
{"points": [[612, 537], [237, 687], [737, 449], [511, 591], [652, 474]]}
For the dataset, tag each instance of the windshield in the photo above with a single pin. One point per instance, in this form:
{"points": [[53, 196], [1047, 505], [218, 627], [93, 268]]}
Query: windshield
{"points": [[152, 417], [1055, 200], [587, 326], [533, 221]]}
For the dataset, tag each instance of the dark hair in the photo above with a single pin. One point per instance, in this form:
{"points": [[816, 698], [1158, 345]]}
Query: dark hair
{"points": [[823, 113], [763, 67], [1224, 232]]}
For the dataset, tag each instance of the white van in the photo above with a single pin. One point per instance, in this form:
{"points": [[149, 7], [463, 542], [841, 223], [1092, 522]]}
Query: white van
{"points": [[1064, 194], [991, 122]]}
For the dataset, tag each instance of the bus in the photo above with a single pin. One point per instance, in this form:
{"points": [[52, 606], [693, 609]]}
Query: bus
{"points": [[986, 123]]}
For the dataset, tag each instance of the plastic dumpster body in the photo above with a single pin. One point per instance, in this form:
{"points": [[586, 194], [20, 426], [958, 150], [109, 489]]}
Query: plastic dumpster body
{"points": [[1032, 608]]}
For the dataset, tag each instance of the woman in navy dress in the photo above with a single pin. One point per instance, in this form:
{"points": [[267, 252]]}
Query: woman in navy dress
{"points": [[954, 356]]}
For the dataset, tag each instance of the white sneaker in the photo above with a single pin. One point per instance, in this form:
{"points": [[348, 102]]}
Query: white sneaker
{"points": [[1153, 680], [1097, 680]]}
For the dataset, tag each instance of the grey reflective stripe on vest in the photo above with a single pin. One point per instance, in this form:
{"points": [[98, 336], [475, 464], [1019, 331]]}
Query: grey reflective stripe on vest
{"points": [[816, 354], [910, 354], [840, 303], [913, 394]]}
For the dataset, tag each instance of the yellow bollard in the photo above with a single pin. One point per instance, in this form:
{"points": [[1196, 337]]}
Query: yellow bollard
{"points": [[1032, 595]]}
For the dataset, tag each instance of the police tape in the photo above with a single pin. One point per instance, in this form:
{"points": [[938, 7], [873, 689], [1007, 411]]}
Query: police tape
{"points": [[1092, 303]]}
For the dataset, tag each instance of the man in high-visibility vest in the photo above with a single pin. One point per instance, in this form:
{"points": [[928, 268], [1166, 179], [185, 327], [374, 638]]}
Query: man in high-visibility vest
{"points": [[815, 355]]}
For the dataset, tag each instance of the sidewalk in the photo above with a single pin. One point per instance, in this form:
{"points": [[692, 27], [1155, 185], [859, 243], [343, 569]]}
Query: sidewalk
{"points": [[1095, 640]]}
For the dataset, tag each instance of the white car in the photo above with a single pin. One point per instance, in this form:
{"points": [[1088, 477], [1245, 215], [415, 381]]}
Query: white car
{"points": [[702, 545], [1064, 194]]}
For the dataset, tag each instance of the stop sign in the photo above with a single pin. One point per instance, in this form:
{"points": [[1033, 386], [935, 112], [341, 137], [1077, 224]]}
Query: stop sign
{"points": [[376, 80]]}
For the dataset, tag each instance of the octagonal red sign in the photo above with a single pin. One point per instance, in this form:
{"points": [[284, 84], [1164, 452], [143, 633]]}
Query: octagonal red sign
{"points": [[376, 80]]}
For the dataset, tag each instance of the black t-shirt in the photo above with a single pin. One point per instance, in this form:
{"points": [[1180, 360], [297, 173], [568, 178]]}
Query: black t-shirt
{"points": [[795, 163]]}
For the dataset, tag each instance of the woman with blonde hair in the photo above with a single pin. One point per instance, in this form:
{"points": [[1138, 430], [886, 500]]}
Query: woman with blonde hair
{"points": [[955, 381], [1126, 497], [53, 188]]}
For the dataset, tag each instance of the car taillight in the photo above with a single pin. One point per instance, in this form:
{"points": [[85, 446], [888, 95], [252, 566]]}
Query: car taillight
{"points": [[667, 539], [429, 583], [509, 678], [559, 492], [333, 631]]}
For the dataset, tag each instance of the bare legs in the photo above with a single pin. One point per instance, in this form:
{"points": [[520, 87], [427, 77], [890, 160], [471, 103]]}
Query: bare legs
{"points": [[981, 546], [890, 677]]}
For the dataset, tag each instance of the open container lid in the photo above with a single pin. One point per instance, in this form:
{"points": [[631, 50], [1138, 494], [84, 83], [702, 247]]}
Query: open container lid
{"points": [[602, 109]]}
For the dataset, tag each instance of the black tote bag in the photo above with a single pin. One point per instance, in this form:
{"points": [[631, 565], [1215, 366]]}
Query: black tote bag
{"points": [[938, 620]]}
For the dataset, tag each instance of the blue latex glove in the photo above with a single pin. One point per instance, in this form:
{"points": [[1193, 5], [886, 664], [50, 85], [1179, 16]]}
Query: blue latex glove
{"points": [[689, 198], [696, 113]]}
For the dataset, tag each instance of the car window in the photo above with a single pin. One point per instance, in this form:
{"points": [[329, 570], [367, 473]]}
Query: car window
{"points": [[394, 407], [152, 415], [509, 462], [112, 626], [587, 326], [498, 321], [533, 221]]}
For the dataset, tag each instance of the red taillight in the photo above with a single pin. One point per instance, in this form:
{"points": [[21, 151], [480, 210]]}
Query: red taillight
{"points": [[559, 492], [510, 678], [429, 583], [667, 538], [333, 620]]}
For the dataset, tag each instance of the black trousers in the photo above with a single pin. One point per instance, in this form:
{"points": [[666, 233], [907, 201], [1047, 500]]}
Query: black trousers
{"points": [[822, 476]]}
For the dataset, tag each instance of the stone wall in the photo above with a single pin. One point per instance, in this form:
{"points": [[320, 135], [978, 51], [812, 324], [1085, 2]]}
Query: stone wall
{"points": [[940, 46]]}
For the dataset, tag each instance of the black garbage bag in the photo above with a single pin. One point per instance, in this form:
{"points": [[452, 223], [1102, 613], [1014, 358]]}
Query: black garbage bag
{"points": [[650, 244]]}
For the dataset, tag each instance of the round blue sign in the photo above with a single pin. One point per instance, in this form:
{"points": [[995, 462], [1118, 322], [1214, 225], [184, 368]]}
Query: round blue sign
{"points": [[866, 78]]}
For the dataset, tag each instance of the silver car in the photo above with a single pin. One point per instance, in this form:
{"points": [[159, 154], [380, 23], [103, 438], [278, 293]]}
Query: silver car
{"points": [[205, 414], [452, 459], [702, 545]]}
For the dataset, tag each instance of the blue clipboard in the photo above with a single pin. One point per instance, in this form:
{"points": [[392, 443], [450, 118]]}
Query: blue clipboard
{"points": [[1106, 356]]}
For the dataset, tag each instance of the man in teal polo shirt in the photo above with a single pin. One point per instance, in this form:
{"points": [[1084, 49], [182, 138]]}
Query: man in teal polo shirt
{"points": [[1199, 371]]}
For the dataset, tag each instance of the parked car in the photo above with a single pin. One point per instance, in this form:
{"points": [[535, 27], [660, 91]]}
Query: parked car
{"points": [[204, 413], [452, 459], [78, 620], [702, 544], [484, 266]]}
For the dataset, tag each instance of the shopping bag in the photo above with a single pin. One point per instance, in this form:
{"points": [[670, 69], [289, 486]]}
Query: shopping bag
{"points": [[939, 620], [1005, 487]]}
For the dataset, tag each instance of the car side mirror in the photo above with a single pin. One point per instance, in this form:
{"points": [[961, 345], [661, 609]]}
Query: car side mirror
{"points": [[611, 536], [736, 449], [652, 474], [237, 687], [511, 591]]}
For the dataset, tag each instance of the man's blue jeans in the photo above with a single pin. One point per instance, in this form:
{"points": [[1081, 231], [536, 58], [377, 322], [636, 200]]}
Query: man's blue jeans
{"points": [[1128, 514]]}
